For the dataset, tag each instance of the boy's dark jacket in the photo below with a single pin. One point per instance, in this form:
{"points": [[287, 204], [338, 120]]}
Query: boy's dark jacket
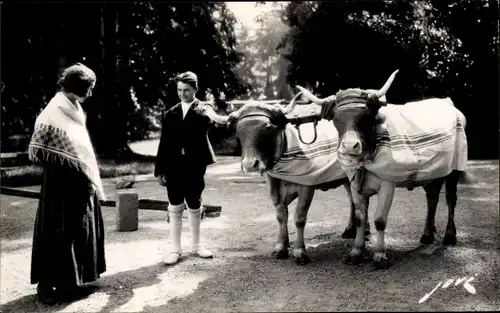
{"points": [[190, 133]]}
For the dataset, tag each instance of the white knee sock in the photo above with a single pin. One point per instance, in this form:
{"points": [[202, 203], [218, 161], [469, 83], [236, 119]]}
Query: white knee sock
{"points": [[175, 213], [194, 218]]}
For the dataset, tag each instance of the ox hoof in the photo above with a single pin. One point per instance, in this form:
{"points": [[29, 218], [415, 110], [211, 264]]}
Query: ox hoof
{"points": [[450, 240], [381, 264], [380, 261], [427, 239], [280, 254], [303, 260], [349, 233], [353, 259]]}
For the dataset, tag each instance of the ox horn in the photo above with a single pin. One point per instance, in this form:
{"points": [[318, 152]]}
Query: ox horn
{"points": [[309, 95], [380, 93], [289, 108]]}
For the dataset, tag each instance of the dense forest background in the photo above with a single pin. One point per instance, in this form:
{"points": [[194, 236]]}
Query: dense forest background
{"points": [[442, 48]]}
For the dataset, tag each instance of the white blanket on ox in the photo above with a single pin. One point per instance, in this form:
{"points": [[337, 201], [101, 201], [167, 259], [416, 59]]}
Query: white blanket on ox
{"points": [[420, 140], [309, 164]]}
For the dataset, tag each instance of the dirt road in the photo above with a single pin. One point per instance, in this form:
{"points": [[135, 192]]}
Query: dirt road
{"points": [[245, 277]]}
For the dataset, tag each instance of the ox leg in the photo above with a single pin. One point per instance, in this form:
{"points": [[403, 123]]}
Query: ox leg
{"points": [[306, 195], [432, 191], [281, 198], [450, 237], [355, 256], [281, 247], [385, 197], [350, 230], [367, 224]]}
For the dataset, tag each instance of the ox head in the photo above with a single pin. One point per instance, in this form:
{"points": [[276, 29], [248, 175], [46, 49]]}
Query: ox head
{"points": [[258, 129], [355, 114]]}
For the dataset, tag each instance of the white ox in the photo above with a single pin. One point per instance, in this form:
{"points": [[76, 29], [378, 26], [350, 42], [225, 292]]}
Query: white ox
{"points": [[383, 147]]}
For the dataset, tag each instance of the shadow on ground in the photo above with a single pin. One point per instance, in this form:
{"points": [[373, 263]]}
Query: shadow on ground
{"points": [[112, 286], [259, 283]]}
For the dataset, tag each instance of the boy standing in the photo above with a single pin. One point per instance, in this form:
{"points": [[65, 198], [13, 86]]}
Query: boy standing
{"points": [[183, 154]]}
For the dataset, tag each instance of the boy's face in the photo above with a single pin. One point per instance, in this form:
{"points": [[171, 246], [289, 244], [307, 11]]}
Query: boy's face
{"points": [[185, 92]]}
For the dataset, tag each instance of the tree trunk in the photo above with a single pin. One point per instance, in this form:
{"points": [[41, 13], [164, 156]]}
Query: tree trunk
{"points": [[125, 105], [283, 88], [268, 91], [112, 139]]}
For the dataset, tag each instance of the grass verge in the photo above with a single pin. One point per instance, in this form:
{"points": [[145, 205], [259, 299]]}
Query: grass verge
{"points": [[32, 174]]}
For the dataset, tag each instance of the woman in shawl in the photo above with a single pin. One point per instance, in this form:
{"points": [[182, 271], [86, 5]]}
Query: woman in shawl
{"points": [[68, 240]]}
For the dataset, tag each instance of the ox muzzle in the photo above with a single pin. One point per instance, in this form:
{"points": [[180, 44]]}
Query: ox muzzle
{"points": [[351, 144], [252, 164]]}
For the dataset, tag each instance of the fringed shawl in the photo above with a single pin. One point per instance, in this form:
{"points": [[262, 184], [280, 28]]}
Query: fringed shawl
{"points": [[60, 136]]}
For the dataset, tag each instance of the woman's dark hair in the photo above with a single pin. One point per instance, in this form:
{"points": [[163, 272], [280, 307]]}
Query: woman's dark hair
{"points": [[189, 78], [77, 79]]}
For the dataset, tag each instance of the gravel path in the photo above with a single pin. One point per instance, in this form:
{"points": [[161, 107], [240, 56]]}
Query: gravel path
{"points": [[245, 277]]}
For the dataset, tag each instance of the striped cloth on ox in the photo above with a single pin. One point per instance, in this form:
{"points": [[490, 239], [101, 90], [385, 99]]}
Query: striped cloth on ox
{"points": [[309, 164], [420, 140]]}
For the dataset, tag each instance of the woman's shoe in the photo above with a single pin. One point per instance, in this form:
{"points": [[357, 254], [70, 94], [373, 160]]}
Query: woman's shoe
{"points": [[70, 294], [46, 294]]}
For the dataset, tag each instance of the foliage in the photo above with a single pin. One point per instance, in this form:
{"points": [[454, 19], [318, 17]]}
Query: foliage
{"points": [[442, 48], [204, 43], [245, 69], [475, 23], [262, 68], [31, 58], [135, 48], [416, 28]]}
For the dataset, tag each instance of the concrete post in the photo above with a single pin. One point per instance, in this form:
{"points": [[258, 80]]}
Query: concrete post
{"points": [[127, 210]]}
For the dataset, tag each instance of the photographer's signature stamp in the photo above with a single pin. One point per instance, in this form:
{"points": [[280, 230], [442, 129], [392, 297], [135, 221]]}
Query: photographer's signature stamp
{"points": [[466, 284]]}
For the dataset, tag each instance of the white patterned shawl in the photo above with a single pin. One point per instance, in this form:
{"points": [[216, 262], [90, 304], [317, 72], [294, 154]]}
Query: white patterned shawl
{"points": [[309, 164], [60, 136]]}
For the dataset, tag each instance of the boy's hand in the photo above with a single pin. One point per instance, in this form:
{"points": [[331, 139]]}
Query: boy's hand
{"points": [[161, 180]]}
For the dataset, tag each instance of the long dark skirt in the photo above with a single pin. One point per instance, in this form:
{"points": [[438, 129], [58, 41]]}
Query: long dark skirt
{"points": [[68, 240]]}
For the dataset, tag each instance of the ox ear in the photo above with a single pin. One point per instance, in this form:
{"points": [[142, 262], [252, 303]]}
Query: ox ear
{"points": [[374, 103], [379, 118], [328, 109]]}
